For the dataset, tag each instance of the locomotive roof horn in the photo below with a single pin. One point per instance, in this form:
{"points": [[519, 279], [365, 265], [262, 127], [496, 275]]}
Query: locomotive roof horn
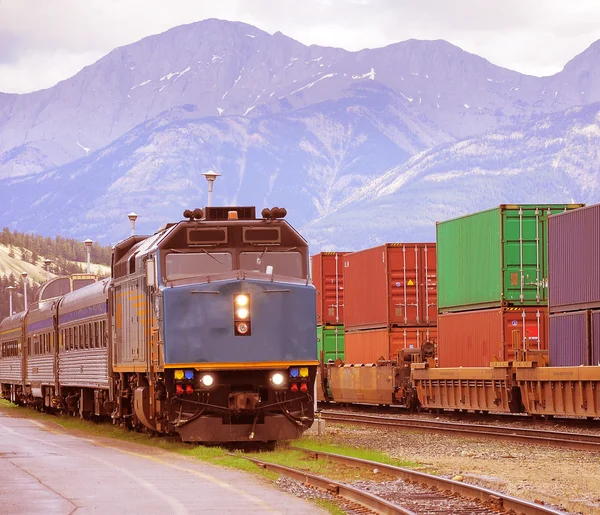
{"points": [[197, 214], [274, 212]]}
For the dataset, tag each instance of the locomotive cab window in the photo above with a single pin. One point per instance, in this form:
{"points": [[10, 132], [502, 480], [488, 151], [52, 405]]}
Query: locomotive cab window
{"points": [[284, 263], [181, 266]]}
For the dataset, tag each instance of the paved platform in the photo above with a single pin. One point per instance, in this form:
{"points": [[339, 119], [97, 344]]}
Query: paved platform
{"points": [[44, 471]]}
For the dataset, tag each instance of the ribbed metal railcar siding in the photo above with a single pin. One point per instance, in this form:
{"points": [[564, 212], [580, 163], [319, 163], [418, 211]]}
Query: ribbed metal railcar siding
{"points": [[469, 260], [328, 278], [330, 339], [574, 260], [369, 346], [366, 346], [40, 369], [10, 370], [595, 338], [392, 285], [569, 339], [477, 338], [86, 368]]}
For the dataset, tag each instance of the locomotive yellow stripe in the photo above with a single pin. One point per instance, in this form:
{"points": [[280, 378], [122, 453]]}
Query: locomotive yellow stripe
{"points": [[133, 368], [258, 364], [131, 294]]}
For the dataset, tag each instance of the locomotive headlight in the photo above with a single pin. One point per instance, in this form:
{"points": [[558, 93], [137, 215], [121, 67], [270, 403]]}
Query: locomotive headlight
{"points": [[242, 312], [241, 301], [207, 380], [277, 378], [241, 315], [179, 375]]}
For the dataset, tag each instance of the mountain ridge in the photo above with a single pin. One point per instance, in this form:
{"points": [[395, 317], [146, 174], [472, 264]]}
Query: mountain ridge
{"points": [[308, 127]]}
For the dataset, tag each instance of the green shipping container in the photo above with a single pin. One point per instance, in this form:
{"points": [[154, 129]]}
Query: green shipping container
{"points": [[331, 339], [495, 257]]}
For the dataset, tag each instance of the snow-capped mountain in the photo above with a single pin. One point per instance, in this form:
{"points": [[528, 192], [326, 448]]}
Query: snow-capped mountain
{"points": [[320, 130], [551, 159]]}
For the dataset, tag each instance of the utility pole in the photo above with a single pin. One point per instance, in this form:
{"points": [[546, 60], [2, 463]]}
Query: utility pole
{"points": [[88, 246], [24, 275]]}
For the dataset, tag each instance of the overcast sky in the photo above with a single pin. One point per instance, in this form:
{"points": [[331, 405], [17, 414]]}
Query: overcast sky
{"points": [[45, 41]]}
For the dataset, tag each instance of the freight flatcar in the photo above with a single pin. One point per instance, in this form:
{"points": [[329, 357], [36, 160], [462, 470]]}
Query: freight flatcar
{"points": [[205, 329]]}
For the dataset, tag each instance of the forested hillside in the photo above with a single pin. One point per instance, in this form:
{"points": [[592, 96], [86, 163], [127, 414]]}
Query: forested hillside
{"points": [[21, 252]]}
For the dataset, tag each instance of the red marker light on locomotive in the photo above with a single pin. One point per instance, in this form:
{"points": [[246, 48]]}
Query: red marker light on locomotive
{"points": [[294, 387], [189, 389], [304, 387], [178, 389]]}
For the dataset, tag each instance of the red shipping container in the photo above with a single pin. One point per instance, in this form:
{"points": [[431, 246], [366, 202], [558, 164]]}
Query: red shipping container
{"points": [[369, 346], [476, 338], [328, 278], [393, 285]]}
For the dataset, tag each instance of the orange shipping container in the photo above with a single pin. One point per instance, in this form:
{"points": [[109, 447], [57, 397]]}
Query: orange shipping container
{"points": [[327, 276], [369, 346], [392, 285], [476, 338]]}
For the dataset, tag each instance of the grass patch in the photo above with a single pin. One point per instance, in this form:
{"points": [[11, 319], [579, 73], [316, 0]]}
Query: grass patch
{"points": [[7, 404], [323, 445], [322, 467]]}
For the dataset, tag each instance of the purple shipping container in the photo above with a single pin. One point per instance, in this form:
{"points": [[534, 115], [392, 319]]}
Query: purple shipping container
{"points": [[595, 338], [574, 260], [569, 344]]}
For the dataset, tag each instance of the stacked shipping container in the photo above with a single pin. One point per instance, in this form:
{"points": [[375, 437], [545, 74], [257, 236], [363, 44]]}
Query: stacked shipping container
{"points": [[328, 278], [574, 279], [493, 277], [390, 300]]}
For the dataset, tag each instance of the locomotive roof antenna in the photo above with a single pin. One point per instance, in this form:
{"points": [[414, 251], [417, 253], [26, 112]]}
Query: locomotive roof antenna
{"points": [[88, 246], [210, 176], [47, 267], [10, 290], [24, 275], [132, 218]]}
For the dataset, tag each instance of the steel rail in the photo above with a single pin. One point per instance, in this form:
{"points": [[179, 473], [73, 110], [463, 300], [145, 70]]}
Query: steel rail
{"points": [[575, 441], [364, 498], [489, 497]]}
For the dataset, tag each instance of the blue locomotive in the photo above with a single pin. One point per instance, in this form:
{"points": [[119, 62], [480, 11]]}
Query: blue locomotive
{"points": [[206, 329]]}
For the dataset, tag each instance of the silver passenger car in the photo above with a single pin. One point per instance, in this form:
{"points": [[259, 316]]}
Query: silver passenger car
{"points": [[11, 356], [40, 350], [83, 337]]}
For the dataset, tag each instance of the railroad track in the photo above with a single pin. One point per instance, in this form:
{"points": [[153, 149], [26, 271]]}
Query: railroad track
{"points": [[566, 440], [410, 493]]}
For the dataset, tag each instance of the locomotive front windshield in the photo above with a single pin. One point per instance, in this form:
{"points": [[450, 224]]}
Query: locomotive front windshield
{"points": [[181, 266], [190, 264], [283, 263]]}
